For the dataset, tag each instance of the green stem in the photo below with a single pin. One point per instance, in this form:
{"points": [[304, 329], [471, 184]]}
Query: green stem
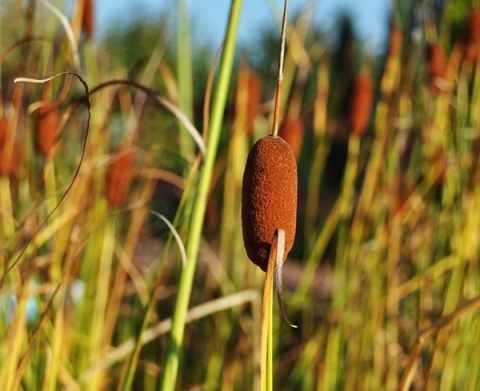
{"points": [[193, 240], [184, 70]]}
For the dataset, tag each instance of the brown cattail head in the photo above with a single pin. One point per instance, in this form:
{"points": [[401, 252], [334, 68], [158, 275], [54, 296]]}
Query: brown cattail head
{"points": [[3, 130], [292, 131], [395, 41], [269, 198], [250, 95], [436, 61], [11, 151], [254, 99], [360, 104], [5, 157], [118, 176], [472, 39], [47, 128], [87, 18]]}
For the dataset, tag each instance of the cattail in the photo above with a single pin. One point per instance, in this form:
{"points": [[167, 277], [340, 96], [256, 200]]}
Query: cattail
{"points": [[360, 104], [3, 130], [472, 36], [436, 61], [292, 131], [87, 18], [4, 155], [118, 176], [395, 41], [47, 128], [254, 99], [251, 87], [269, 198]]}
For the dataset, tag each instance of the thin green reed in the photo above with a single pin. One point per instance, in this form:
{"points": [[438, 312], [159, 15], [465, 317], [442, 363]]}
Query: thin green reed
{"points": [[184, 71], [195, 231]]}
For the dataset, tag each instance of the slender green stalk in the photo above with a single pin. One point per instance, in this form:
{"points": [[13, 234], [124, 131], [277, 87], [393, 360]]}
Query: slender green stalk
{"points": [[101, 300], [194, 235], [184, 70]]}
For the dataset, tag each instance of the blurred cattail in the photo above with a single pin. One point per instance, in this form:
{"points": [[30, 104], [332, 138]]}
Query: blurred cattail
{"points": [[269, 198], [292, 131], [5, 157], [360, 104], [395, 40], [254, 99], [87, 18], [47, 128], [3, 130], [11, 151], [472, 41], [250, 92], [436, 63], [118, 176]]}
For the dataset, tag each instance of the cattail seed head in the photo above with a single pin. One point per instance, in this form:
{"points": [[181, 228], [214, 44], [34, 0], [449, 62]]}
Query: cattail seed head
{"points": [[251, 96], [292, 131], [395, 41], [47, 128], [254, 99], [3, 130], [269, 198], [11, 151], [118, 176], [87, 18], [360, 104], [436, 61], [4, 155]]}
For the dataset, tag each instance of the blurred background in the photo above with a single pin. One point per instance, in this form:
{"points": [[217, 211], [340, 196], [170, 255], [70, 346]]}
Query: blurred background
{"points": [[98, 200]]}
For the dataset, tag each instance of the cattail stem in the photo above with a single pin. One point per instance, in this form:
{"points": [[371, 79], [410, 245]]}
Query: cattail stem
{"points": [[266, 340], [276, 110]]}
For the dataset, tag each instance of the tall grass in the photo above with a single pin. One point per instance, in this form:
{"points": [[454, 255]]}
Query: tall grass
{"points": [[382, 280]]}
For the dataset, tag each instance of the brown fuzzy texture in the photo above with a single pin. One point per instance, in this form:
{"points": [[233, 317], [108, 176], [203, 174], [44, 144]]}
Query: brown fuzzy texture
{"points": [[269, 198], [118, 176], [360, 104], [47, 128], [292, 131]]}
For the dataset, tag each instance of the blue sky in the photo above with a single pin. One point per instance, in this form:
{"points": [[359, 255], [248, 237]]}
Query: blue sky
{"points": [[210, 16]]}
